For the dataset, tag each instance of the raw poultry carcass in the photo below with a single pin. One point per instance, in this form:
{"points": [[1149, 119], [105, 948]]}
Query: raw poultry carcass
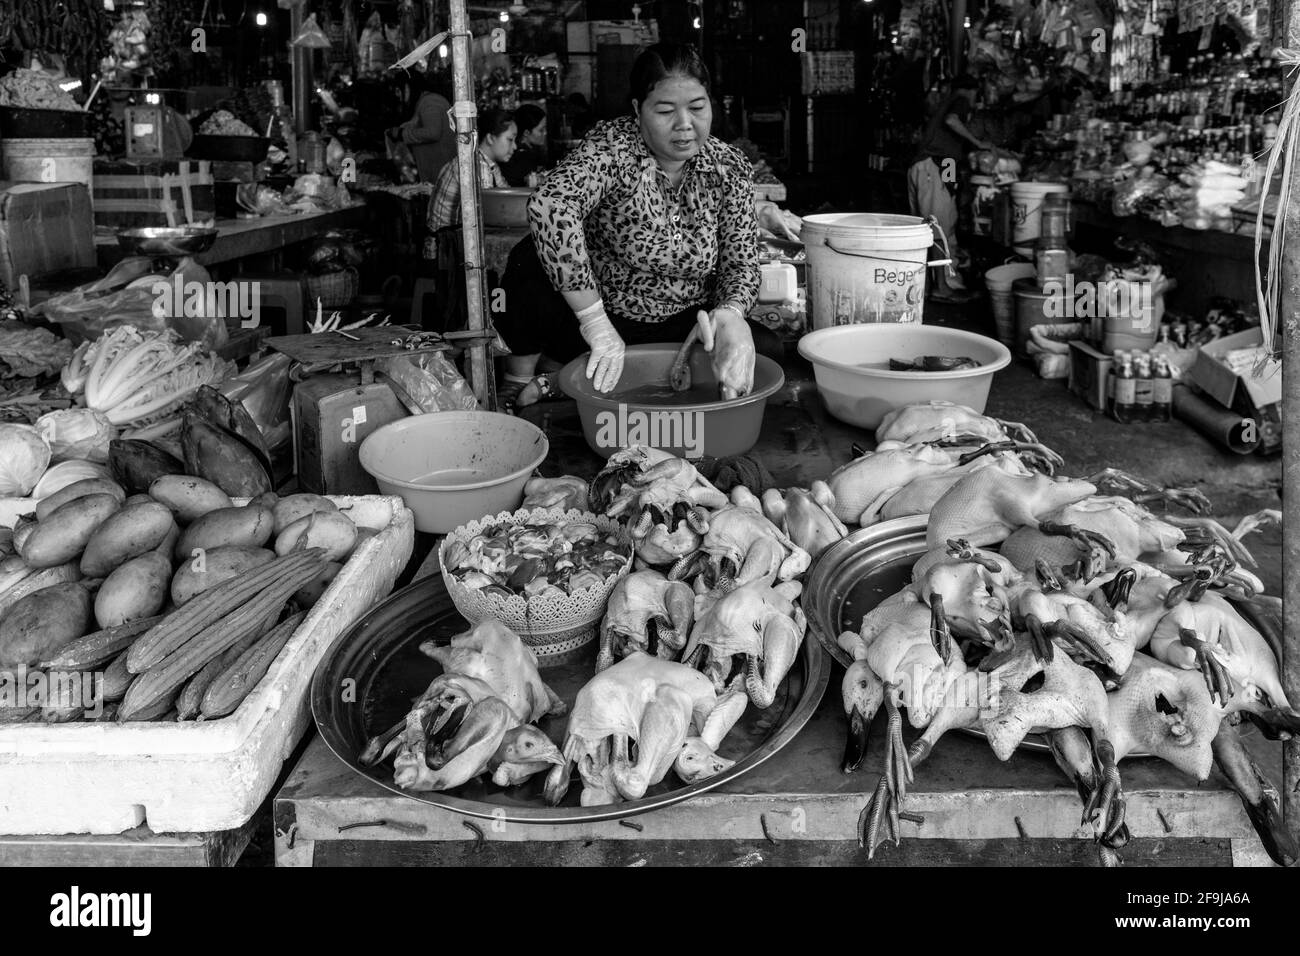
{"points": [[566, 492], [667, 710], [1033, 696], [1236, 661], [935, 421], [1257, 795], [741, 545], [664, 499], [806, 517], [646, 612], [489, 685], [757, 620], [864, 487]]}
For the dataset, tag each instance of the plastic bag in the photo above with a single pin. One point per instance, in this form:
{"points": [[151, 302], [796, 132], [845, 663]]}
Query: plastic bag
{"points": [[88, 311], [311, 36], [431, 382], [77, 434], [264, 389]]}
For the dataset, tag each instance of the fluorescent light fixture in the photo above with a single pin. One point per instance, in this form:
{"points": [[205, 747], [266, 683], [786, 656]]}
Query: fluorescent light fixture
{"points": [[261, 19]]}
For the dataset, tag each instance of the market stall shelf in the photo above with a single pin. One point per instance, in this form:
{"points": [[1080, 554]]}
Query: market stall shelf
{"points": [[105, 778], [240, 238]]}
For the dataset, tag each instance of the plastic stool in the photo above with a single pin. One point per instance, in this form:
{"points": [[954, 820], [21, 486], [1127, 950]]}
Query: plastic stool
{"points": [[283, 291], [423, 287]]}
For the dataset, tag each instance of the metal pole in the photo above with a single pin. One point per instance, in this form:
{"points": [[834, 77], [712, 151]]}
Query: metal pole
{"points": [[302, 81], [1289, 329], [958, 35], [480, 367]]}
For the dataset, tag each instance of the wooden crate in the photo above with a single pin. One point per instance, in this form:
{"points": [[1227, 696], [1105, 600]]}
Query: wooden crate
{"points": [[104, 778], [129, 195]]}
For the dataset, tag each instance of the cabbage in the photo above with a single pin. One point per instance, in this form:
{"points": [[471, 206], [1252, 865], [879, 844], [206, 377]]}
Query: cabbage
{"points": [[24, 456], [77, 434], [65, 473]]}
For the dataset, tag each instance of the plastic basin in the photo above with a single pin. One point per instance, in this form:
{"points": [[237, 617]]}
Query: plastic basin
{"points": [[857, 393], [505, 208], [642, 410], [454, 467]]}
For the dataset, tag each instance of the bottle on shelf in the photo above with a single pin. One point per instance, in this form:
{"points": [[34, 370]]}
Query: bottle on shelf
{"points": [[1142, 391], [1162, 391], [1125, 391]]}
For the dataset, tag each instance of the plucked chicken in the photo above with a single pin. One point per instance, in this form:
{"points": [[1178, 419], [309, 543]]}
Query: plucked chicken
{"points": [[646, 612]]}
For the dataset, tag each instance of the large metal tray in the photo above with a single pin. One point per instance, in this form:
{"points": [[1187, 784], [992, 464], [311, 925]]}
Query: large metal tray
{"points": [[368, 678], [856, 573]]}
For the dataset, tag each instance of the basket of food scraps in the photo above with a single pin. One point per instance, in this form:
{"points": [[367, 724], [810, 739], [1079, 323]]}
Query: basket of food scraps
{"points": [[545, 573]]}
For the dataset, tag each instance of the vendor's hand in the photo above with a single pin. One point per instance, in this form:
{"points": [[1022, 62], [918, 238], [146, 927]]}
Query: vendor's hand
{"points": [[605, 365], [725, 335], [776, 220]]}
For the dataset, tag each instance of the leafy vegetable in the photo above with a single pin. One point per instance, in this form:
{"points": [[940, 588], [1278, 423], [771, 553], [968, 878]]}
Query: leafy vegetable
{"points": [[24, 456], [26, 352]]}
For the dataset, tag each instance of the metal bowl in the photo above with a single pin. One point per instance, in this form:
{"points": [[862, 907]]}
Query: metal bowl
{"points": [[167, 240], [367, 679]]}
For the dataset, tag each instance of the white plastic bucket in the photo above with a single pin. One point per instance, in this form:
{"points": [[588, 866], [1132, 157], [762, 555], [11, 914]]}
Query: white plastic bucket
{"points": [[1027, 210], [49, 160], [998, 280], [864, 267]]}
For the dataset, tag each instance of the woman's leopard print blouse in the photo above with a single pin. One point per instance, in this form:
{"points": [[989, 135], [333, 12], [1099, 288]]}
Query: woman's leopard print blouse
{"points": [[607, 218]]}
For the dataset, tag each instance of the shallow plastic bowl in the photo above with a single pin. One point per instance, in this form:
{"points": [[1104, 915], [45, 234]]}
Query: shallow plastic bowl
{"points": [[705, 429], [454, 467], [862, 395]]}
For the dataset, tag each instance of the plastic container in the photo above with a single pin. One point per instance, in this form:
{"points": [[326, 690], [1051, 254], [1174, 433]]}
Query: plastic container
{"points": [[454, 467], [49, 160], [1033, 308], [1027, 206], [1130, 323], [623, 417], [864, 267], [851, 365], [505, 208], [999, 281], [778, 282]]}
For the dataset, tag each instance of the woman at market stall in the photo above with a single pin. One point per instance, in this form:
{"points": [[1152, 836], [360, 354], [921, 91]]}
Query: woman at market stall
{"points": [[530, 155], [644, 231], [496, 144]]}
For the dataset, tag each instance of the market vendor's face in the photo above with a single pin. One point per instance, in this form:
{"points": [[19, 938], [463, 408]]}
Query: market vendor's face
{"points": [[500, 148], [675, 118], [535, 136]]}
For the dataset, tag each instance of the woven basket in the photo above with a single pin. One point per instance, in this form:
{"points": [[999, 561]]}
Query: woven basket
{"points": [[554, 627], [334, 289]]}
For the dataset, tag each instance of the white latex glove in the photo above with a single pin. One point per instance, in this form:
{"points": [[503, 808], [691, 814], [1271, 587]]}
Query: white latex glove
{"points": [[605, 366], [726, 337]]}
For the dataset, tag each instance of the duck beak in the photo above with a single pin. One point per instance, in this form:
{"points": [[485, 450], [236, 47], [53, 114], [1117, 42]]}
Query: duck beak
{"points": [[551, 755], [855, 749]]}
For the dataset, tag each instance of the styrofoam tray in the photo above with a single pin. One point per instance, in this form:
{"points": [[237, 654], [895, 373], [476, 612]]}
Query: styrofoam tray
{"points": [[196, 776]]}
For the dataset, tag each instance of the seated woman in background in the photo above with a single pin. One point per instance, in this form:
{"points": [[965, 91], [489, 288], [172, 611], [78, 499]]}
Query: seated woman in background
{"points": [[496, 144], [530, 157]]}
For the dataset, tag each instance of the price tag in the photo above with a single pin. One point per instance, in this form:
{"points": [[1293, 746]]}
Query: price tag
{"points": [[359, 415]]}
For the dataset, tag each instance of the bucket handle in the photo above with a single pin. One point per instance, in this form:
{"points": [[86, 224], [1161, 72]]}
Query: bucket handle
{"points": [[930, 221]]}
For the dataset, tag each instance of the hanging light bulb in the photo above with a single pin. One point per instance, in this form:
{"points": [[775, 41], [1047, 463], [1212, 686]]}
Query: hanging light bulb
{"points": [[442, 51], [967, 23], [503, 16], [261, 19], [696, 23]]}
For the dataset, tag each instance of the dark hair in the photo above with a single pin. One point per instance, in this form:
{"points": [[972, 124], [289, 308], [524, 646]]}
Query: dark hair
{"points": [[528, 116], [494, 123], [661, 61], [966, 82]]}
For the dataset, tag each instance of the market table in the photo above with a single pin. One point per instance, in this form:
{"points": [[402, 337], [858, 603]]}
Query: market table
{"points": [[240, 238], [797, 808]]}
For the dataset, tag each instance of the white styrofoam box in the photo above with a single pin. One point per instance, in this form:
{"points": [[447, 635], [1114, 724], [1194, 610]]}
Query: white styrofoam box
{"points": [[195, 776]]}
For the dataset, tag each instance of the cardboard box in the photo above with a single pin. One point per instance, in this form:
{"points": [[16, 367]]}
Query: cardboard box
{"points": [[1211, 375], [44, 228], [1089, 369]]}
